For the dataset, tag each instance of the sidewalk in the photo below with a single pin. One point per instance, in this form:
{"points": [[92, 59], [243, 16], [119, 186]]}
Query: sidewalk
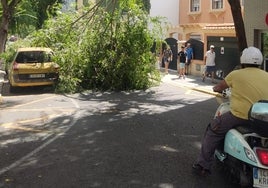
{"points": [[191, 82]]}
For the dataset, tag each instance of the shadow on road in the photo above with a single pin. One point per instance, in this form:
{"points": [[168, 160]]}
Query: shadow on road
{"points": [[142, 139], [25, 90]]}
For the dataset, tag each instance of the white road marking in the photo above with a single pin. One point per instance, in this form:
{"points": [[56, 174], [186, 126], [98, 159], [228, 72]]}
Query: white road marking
{"points": [[17, 124], [20, 161]]}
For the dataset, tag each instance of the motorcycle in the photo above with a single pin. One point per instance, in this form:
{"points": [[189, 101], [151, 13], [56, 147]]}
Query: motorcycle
{"points": [[244, 153]]}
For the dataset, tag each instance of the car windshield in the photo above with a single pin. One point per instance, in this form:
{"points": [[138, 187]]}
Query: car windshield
{"points": [[33, 56]]}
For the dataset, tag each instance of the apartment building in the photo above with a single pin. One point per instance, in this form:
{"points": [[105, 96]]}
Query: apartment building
{"points": [[256, 21], [211, 22], [256, 26], [207, 22]]}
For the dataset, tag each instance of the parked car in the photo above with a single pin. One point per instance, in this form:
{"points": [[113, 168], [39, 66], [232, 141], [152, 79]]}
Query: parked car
{"points": [[33, 66]]}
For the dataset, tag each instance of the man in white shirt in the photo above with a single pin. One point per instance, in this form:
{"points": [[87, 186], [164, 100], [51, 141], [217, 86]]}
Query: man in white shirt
{"points": [[209, 61]]}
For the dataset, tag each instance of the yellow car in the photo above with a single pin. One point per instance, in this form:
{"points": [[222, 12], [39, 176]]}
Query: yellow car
{"points": [[33, 66]]}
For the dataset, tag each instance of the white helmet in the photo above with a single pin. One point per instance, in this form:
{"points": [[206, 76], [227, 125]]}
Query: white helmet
{"points": [[251, 55]]}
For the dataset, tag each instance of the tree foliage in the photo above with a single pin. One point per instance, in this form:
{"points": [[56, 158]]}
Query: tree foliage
{"points": [[8, 10], [22, 17], [146, 5], [33, 13], [104, 50]]}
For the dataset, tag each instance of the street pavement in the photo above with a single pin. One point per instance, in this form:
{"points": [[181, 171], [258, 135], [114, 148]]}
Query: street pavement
{"points": [[125, 139], [191, 82]]}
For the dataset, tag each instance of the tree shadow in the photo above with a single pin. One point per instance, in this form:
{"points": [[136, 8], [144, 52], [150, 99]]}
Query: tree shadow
{"points": [[124, 139]]}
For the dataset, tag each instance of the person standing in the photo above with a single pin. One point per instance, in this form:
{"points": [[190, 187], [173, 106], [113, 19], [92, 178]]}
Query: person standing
{"points": [[250, 79], [210, 66], [181, 63], [190, 56], [168, 56]]}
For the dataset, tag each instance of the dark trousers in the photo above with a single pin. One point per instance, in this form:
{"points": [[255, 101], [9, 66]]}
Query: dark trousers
{"points": [[214, 135]]}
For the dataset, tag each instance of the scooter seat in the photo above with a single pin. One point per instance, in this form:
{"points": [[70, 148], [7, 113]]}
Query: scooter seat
{"points": [[247, 129], [244, 129]]}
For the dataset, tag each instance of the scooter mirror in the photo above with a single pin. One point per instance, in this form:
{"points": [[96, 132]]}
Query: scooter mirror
{"points": [[259, 112]]}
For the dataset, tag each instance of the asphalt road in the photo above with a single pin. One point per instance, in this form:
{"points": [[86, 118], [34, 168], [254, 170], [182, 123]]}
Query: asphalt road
{"points": [[140, 139]]}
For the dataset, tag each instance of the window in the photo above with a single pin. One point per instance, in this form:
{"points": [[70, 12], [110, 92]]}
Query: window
{"points": [[217, 4], [33, 56], [195, 5]]}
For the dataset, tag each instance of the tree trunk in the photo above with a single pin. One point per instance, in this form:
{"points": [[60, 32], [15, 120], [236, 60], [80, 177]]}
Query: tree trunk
{"points": [[3, 33], [8, 11], [4, 25], [239, 24]]}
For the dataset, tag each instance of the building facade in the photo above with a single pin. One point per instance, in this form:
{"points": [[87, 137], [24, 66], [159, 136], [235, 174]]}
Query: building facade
{"points": [[207, 22], [256, 26], [256, 21]]}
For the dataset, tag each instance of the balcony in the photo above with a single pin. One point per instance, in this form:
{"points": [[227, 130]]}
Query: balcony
{"points": [[217, 12], [194, 14]]}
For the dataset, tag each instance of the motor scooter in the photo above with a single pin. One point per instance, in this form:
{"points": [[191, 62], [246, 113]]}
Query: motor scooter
{"points": [[244, 153]]}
